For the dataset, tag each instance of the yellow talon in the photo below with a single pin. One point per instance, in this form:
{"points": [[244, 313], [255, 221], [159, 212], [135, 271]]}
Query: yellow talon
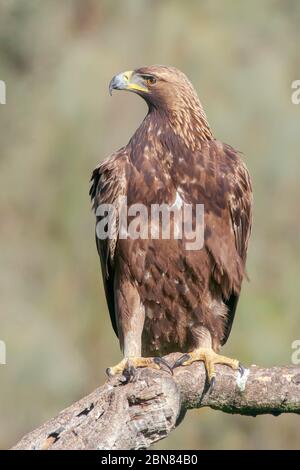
{"points": [[210, 358], [127, 362]]}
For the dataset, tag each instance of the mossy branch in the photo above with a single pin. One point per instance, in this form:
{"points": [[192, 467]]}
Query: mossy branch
{"points": [[135, 415]]}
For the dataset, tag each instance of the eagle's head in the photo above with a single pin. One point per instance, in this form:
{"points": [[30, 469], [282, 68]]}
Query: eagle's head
{"points": [[167, 90], [159, 85]]}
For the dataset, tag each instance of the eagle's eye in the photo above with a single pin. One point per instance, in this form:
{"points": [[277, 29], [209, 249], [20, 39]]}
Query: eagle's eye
{"points": [[149, 79]]}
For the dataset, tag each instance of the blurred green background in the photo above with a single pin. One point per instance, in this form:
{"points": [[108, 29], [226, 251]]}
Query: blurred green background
{"points": [[57, 58]]}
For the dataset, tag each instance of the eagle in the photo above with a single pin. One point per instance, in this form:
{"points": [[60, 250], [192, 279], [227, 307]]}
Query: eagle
{"points": [[163, 297]]}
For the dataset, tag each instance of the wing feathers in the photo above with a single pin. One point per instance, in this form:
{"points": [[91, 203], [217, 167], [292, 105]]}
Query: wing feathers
{"points": [[108, 185]]}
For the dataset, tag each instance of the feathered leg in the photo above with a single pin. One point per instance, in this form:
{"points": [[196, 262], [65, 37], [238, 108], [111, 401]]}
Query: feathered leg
{"points": [[130, 321]]}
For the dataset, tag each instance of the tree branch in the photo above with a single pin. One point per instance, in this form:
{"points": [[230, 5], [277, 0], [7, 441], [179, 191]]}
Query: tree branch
{"points": [[137, 414]]}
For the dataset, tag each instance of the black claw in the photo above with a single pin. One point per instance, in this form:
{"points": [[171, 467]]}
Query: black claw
{"points": [[181, 360], [161, 361], [129, 374], [108, 372], [212, 384], [241, 369]]}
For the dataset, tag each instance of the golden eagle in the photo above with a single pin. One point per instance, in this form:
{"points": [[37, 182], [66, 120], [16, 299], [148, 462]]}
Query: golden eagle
{"points": [[162, 297]]}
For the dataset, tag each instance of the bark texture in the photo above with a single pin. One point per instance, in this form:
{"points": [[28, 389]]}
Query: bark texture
{"points": [[137, 414]]}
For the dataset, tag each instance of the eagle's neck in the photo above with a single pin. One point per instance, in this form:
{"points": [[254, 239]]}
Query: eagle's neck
{"points": [[186, 124], [168, 134], [190, 123]]}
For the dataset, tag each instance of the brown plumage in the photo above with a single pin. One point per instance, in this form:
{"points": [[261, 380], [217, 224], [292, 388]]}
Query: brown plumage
{"points": [[162, 297]]}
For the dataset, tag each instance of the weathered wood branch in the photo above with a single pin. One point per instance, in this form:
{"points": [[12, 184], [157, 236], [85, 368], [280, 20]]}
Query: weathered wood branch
{"points": [[137, 414]]}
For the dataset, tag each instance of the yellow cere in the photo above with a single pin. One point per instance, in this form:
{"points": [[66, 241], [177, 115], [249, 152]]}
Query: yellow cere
{"points": [[133, 86]]}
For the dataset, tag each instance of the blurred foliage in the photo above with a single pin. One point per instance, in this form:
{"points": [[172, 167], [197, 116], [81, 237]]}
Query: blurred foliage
{"points": [[57, 59]]}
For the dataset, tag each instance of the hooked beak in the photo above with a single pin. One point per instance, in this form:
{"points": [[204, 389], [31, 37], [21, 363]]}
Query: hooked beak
{"points": [[128, 81]]}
